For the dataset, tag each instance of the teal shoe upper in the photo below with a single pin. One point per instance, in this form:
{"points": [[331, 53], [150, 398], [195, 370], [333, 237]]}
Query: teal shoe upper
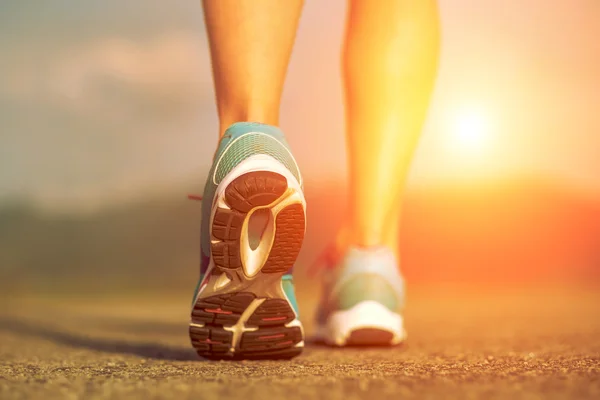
{"points": [[363, 274], [287, 282]]}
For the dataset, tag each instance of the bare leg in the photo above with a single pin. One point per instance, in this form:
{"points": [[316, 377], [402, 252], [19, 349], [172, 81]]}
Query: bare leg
{"points": [[389, 62], [250, 43], [253, 174]]}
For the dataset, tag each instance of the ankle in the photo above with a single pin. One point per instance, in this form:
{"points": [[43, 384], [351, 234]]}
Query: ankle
{"points": [[348, 237], [256, 116]]}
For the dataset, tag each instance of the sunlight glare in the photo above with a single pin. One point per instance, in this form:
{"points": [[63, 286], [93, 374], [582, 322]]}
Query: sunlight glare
{"points": [[471, 132]]}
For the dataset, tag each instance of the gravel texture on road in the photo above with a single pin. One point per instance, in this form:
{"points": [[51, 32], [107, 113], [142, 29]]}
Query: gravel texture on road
{"points": [[517, 344]]}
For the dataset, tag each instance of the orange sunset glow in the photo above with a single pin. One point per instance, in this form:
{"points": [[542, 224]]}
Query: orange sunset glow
{"points": [[505, 181], [469, 269]]}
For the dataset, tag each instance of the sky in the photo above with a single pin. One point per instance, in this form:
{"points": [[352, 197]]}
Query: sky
{"points": [[104, 102]]}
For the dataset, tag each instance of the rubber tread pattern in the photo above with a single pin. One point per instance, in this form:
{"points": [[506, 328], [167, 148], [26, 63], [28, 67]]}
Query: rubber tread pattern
{"points": [[289, 234], [253, 189], [271, 340], [230, 306], [272, 312], [370, 337]]}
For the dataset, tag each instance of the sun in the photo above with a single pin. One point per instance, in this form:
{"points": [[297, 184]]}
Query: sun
{"points": [[471, 131]]}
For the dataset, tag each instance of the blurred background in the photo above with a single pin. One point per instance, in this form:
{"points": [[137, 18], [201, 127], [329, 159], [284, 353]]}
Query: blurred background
{"points": [[107, 122]]}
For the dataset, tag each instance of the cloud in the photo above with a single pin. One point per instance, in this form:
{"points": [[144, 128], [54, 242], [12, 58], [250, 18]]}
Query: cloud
{"points": [[167, 61], [104, 120], [173, 66]]}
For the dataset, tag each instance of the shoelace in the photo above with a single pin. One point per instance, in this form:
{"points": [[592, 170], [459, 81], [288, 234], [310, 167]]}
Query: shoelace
{"points": [[326, 260]]}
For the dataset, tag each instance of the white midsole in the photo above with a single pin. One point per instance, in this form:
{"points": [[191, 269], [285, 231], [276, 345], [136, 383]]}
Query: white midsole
{"points": [[259, 162], [253, 260], [366, 314]]}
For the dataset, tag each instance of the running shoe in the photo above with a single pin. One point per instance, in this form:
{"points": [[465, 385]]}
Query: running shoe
{"points": [[253, 225], [362, 300]]}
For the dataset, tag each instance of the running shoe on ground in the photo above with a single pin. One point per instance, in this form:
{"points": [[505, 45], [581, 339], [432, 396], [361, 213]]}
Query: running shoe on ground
{"points": [[253, 224], [362, 300]]}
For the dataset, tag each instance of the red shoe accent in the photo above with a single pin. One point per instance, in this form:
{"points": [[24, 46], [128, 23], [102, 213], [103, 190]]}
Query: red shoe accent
{"points": [[274, 318], [217, 311], [271, 336]]}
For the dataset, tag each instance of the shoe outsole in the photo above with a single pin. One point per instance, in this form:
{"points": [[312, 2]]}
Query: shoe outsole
{"points": [[368, 323], [370, 337], [251, 319]]}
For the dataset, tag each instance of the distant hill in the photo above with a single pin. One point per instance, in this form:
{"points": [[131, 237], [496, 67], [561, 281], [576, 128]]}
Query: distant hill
{"points": [[513, 231]]}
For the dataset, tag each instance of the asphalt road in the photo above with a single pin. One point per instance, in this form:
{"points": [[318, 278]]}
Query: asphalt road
{"points": [[534, 343]]}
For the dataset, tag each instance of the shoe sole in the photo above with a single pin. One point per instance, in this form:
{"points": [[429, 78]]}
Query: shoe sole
{"points": [[241, 310], [366, 324]]}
